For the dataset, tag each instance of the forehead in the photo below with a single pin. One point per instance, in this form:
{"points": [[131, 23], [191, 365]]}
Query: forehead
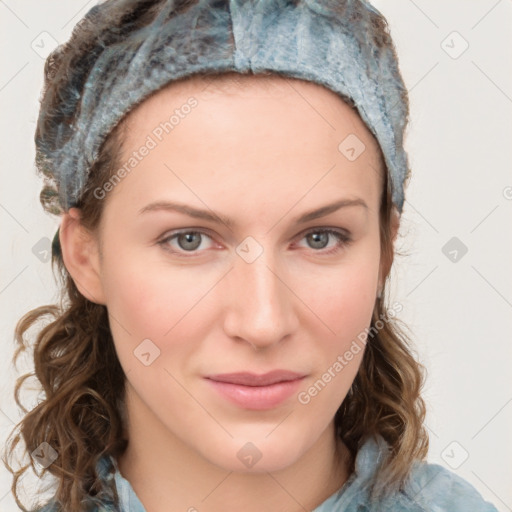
{"points": [[217, 86], [229, 85], [272, 127]]}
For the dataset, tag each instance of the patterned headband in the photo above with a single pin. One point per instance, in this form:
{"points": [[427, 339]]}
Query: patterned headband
{"points": [[329, 42]]}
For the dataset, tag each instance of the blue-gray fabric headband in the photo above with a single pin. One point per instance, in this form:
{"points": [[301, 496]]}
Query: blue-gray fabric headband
{"points": [[305, 39]]}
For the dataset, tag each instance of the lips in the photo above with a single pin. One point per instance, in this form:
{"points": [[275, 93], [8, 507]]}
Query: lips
{"points": [[256, 392], [253, 379]]}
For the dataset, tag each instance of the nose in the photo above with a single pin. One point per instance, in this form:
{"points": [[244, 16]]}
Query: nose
{"points": [[260, 302]]}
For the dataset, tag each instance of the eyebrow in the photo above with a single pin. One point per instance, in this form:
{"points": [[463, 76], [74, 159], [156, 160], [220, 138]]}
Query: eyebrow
{"points": [[211, 216]]}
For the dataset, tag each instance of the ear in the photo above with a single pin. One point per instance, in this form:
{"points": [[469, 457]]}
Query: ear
{"points": [[387, 259], [80, 252]]}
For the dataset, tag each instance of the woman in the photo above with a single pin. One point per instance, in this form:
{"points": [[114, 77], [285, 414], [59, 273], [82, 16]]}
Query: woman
{"points": [[230, 177]]}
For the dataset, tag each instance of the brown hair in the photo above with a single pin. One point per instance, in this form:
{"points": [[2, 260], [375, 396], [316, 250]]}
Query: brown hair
{"points": [[75, 362]]}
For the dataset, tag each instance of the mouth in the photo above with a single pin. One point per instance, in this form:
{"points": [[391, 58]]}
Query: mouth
{"points": [[256, 392], [253, 379]]}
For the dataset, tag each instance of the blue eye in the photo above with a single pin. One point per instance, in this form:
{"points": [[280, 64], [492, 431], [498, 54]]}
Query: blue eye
{"points": [[320, 237], [190, 241]]}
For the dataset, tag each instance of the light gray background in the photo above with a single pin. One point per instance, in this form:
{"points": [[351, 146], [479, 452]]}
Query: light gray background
{"points": [[457, 306]]}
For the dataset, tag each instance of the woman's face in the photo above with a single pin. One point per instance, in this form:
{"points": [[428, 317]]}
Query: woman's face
{"points": [[266, 288]]}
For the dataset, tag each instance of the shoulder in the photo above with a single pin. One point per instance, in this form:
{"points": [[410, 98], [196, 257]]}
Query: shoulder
{"points": [[51, 506], [429, 487], [432, 487], [104, 467], [92, 506]]}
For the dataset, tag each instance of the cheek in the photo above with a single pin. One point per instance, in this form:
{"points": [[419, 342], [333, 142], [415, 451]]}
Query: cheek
{"points": [[160, 303], [343, 309], [345, 316], [343, 299]]}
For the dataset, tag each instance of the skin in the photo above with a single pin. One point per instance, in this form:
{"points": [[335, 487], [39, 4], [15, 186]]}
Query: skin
{"points": [[294, 307]]}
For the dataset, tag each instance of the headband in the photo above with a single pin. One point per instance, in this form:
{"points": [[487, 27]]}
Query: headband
{"points": [[329, 42]]}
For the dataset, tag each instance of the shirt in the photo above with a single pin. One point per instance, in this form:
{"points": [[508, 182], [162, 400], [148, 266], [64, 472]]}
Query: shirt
{"points": [[431, 488]]}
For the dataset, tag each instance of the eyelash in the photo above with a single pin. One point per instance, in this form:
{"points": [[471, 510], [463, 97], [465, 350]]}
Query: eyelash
{"points": [[343, 238]]}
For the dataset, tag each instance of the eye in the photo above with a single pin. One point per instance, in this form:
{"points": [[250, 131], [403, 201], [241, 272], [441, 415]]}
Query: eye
{"points": [[187, 241], [318, 239]]}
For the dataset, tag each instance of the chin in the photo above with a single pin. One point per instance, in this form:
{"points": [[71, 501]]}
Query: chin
{"points": [[243, 455]]}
